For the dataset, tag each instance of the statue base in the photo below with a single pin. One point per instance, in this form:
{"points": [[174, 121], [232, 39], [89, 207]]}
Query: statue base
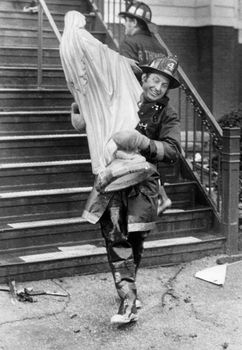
{"points": [[123, 173]]}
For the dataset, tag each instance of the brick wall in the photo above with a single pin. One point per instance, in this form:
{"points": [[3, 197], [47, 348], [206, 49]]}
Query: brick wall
{"points": [[225, 70], [205, 64], [240, 72], [210, 57], [182, 41]]}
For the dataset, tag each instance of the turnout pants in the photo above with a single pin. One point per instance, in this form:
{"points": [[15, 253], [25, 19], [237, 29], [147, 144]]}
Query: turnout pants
{"points": [[124, 249]]}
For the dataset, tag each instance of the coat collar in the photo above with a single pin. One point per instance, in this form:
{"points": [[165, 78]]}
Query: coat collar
{"points": [[141, 32], [162, 102]]}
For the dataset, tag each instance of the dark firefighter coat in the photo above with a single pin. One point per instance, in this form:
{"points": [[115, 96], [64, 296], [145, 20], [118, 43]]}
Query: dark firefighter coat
{"points": [[141, 47], [159, 122]]}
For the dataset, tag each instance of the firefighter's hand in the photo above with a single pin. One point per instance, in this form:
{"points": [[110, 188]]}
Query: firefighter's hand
{"points": [[131, 140], [77, 118], [75, 108], [134, 65]]}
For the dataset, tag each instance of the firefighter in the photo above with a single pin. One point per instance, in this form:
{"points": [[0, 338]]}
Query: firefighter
{"points": [[127, 216], [139, 44]]}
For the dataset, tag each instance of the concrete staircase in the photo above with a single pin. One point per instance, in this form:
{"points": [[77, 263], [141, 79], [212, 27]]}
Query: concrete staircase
{"points": [[45, 169]]}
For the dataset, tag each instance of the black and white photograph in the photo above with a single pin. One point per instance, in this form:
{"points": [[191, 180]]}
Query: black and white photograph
{"points": [[120, 175]]}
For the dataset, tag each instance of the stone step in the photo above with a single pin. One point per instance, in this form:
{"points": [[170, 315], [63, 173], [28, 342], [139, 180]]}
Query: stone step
{"points": [[30, 148], [40, 147], [45, 175], [68, 260], [26, 37], [171, 224], [43, 204], [52, 174], [13, 18], [21, 36], [28, 56], [39, 233], [53, 5], [57, 203], [27, 77], [34, 99], [35, 122]]}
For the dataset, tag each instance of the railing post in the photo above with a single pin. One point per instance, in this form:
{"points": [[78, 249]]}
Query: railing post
{"points": [[100, 5], [40, 47], [230, 187]]}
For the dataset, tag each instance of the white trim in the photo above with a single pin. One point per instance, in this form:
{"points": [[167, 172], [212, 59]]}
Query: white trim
{"points": [[187, 13], [53, 163], [195, 22], [170, 241], [141, 226], [49, 192], [82, 251], [196, 13], [42, 223]]}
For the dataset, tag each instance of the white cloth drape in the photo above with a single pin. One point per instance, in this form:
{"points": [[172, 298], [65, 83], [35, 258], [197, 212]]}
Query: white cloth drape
{"points": [[102, 84]]}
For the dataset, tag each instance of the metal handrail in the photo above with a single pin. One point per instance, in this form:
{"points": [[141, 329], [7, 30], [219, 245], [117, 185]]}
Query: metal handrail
{"points": [[50, 19], [43, 9], [99, 13]]}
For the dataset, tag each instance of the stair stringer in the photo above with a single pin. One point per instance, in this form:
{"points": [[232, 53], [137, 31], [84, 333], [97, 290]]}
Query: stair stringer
{"points": [[188, 173]]}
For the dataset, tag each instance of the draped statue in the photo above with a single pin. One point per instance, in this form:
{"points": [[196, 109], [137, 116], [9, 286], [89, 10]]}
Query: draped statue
{"points": [[106, 91]]}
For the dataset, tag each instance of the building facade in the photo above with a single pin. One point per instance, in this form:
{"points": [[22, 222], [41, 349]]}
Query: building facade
{"points": [[206, 35]]}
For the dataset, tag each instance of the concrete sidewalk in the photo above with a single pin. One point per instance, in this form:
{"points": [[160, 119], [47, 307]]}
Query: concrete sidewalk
{"points": [[180, 312]]}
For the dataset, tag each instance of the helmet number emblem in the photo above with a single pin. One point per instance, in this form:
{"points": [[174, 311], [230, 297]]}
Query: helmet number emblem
{"points": [[171, 66]]}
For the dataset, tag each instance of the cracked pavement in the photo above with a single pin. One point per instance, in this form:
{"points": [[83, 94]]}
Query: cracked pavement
{"points": [[180, 312]]}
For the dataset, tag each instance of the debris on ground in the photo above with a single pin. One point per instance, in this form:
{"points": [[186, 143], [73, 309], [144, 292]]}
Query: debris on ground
{"points": [[229, 259], [26, 294], [187, 300], [169, 288]]}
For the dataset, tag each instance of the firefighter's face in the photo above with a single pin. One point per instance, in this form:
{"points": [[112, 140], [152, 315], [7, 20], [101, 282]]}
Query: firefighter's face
{"points": [[154, 86], [130, 25]]}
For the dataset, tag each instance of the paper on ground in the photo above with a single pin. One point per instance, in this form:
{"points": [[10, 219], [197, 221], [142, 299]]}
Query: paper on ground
{"points": [[215, 274]]}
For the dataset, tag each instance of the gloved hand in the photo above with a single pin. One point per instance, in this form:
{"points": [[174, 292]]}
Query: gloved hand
{"points": [[134, 65], [75, 108], [131, 140], [77, 119]]}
